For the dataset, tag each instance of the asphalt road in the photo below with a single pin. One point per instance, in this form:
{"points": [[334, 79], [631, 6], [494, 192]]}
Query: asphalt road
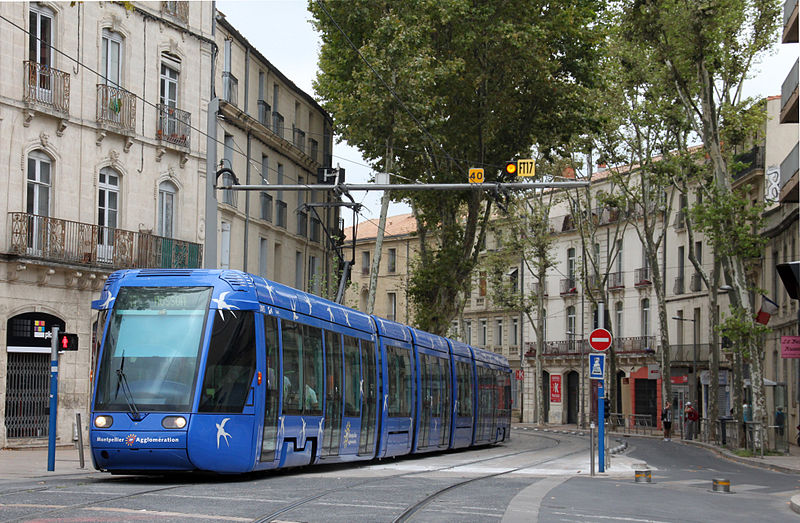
{"points": [[534, 477]]}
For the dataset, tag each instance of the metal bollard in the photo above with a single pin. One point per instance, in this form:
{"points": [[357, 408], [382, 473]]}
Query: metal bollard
{"points": [[721, 485], [80, 437], [643, 476]]}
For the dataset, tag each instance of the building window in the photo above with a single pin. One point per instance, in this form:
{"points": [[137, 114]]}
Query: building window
{"points": [[513, 277], [313, 280], [392, 261], [225, 246], [482, 285], [618, 332], [170, 67], [228, 197], [41, 37], [166, 209], [571, 325], [483, 333], [515, 331], [111, 58], [39, 169], [262, 257], [645, 317], [392, 313], [468, 331], [365, 262], [498, 332], [107, 206], [571, 266], [298, 270]]}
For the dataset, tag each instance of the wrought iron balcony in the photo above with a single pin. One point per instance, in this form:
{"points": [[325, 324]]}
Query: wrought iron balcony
{"points": [[616, 280], [230, 88], [299, 139], [696, 285], [116, 107], [747, 162], [280, 219], [264, 110], [302, 223], [568, 287], [576, 347], [314, 234], [46, 86], [540, 287], [173, 125], [65, 241], [641, 277], [313, 147], [680, 288]]}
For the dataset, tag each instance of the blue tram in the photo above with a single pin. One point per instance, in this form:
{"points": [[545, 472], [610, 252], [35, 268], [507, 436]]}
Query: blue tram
{"points": [[223, 371]]}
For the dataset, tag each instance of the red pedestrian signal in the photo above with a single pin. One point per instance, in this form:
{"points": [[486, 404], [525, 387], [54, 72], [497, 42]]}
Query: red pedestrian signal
{"points": [[67, 341]]}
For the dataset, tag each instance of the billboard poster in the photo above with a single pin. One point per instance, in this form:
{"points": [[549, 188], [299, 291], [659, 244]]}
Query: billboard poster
{"points": [[555, 389]]}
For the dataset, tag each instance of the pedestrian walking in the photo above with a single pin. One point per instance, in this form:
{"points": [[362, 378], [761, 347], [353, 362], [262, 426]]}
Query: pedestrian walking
{"points": [[690, 420], [666, 420]]}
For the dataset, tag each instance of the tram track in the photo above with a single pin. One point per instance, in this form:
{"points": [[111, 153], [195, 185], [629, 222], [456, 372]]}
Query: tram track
{"points": [[266, 518]]}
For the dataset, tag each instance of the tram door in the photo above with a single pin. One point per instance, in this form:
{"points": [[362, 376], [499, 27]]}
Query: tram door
{"points": [[271, 407], [352, 396], [333, 394], [370, 393]]}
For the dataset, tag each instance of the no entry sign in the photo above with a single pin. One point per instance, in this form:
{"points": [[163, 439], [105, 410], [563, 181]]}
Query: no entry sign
{"points": [[600, 339]]}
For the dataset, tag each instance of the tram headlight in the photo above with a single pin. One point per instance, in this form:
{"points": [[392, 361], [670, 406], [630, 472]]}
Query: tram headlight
{"points": [[103, 422], [173, 422]]}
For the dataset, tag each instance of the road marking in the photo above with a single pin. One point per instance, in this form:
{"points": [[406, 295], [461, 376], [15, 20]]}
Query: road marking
{"points": [[144, 512], [615, 518], [524, 507]]}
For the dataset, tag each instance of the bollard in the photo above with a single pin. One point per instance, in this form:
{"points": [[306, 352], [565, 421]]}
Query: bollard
{"points": [[80, 438], [721, 485], [643, 476]]}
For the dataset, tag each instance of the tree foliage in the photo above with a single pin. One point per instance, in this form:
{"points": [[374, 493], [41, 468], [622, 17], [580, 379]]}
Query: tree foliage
{"points": [[484, 82]]}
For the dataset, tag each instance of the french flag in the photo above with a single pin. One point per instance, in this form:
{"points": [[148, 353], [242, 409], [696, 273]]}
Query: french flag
{"points": [[768, 308]]}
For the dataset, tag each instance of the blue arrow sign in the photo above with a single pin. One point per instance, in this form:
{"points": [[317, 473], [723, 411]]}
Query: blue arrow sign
{"points": [[597, 366]]}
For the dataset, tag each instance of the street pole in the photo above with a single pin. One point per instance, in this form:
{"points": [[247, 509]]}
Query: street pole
{"points": [[601, 430], [51, 436], [694, 364]]}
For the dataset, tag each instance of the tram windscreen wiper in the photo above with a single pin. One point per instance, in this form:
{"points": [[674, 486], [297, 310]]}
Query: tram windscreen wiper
{"points": [[128, 395]]}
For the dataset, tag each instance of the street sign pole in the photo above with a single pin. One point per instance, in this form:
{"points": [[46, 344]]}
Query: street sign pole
{"points": [[601, 431], [51, 436]]}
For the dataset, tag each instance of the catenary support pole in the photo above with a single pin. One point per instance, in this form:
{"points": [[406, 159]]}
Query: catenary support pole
{"points": [[51, 435]]}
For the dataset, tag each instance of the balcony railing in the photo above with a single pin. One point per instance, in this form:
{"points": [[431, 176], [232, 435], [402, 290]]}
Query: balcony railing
{"points": [[686, 352], [46, 86], [280, 219], [568, 287], [264, 110], [641, 276], [747, 162], [116, 107], [574, 346], [789, 165], [696, 285], [230, 88], [616, 280], [277, 123], [789, 86], [302, 223], [178, 9], [313, 147], [679, 288], [680, 219], [540, 287], [173, 125], [266, 206], [299, 139], [314, 234], [66, 241]]}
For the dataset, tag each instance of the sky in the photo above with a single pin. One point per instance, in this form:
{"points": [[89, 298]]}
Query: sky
{"points": [[281, 30]]}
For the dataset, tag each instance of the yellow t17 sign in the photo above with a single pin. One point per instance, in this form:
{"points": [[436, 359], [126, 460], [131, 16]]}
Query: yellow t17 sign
{"points": [[526, 168], [475, 175]]}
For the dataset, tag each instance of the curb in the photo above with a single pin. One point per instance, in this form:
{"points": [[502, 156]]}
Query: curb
{"points": [[795, 503]]}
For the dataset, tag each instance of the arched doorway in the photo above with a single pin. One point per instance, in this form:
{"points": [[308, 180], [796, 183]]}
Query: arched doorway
{"points": [[28, 343], [573, 393]]}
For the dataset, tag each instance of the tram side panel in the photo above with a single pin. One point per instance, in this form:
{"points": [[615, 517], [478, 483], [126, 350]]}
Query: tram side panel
{"points": [[434, 381]]}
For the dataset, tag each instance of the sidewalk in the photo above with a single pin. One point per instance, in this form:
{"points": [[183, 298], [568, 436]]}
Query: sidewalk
{"points": [[31, 463]]}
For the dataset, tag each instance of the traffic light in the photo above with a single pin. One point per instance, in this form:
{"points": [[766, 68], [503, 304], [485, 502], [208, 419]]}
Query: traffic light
{"points": [[510, 168], [606, 408], [67, 341]]}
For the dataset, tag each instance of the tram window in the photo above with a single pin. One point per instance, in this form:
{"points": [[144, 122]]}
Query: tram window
{"points": [[231, 363], [398, 364], [312, 370], [292, 336], [464, 377], [352, 378]]}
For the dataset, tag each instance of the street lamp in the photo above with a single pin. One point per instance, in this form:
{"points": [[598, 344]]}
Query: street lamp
{"points": [[694, 358]]}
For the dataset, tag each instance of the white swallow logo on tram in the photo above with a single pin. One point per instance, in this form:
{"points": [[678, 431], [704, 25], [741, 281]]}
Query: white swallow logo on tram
{"points": [[303, 431], [109, 299], [346, 317], [221, 433], [269, 290], [223, 305], [308, 301], [330, 313]]}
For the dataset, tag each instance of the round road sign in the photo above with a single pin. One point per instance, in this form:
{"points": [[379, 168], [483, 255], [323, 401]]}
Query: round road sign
{"points": [[600, 339]]}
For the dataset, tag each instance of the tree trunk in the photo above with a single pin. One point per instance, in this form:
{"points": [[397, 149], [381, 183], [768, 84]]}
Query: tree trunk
{"points": [[376, 258]]}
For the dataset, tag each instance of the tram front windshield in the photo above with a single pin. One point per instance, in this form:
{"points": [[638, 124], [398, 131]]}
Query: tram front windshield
{"points": [[152, 349]]}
